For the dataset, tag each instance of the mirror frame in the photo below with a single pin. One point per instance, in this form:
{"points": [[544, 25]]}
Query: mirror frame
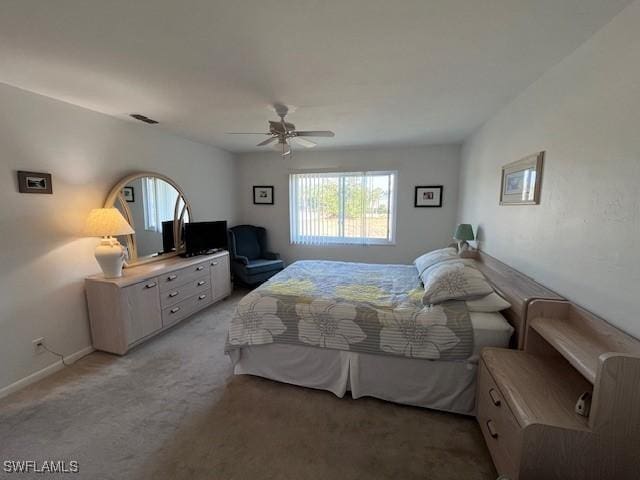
{"points": [[116, 194]]}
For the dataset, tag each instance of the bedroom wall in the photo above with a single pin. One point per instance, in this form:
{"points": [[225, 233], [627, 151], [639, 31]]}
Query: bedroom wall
{"points": [[44, 259], [417, 229], [583, 240]]}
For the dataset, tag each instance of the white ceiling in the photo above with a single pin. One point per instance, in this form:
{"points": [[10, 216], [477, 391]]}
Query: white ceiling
{"points": [[377, 72]]}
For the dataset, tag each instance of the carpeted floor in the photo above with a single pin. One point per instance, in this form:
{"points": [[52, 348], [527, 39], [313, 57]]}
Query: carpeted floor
{"points": [[171, 409]]}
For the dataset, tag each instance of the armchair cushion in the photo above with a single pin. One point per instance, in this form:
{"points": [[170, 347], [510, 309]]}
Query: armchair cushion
{"points": [[271, 256], [261, 266]]}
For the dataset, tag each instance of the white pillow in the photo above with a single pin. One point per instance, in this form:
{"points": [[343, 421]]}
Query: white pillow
{"points": [[491, 303], [454, 281], [470, 262], [432, 258]]}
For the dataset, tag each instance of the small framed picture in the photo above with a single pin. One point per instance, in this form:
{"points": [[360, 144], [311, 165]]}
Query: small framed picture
{"points": [[521, 181], [34, 182], [428, 196], [129, 194], [262, 195]]}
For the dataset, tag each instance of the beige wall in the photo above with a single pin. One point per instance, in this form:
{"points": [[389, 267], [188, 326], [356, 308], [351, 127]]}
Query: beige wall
{"points": [[417, 229], [43, 259], [583, 239]]}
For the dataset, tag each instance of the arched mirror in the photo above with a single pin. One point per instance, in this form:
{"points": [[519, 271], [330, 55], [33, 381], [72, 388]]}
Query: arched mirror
{"points": [[156, 208]]}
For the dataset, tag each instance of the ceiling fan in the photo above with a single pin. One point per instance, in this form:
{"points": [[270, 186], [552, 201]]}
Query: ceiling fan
{"points": [[283, 133]]}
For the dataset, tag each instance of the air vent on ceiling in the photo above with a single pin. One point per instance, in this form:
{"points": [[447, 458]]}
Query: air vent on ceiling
{"points": [[143, 118]]}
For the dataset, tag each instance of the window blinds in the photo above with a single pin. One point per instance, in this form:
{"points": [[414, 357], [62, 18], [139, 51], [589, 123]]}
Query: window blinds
{"points": [[342, 208], [159, 203]]}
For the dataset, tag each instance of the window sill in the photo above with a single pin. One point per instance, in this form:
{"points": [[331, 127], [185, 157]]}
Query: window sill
{"points": [[345, 244]]}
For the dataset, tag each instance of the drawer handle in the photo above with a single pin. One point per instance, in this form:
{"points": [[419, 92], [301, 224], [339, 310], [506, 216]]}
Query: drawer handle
{"points": [[494, 397], [202, 297], [201, 282], [172, 277], [200, 268], [150, 285], [173, 294], [492, 430], [175, 309], [213, 264]]}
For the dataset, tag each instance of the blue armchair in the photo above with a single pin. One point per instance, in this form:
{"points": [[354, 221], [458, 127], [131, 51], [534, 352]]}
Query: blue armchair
{"points": [[251, 263]]}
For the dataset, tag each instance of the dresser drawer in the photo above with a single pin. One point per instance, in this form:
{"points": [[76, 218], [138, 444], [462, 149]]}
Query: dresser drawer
{"points": [[181, 292], [174, 279], [500, 429], [183, 309]]}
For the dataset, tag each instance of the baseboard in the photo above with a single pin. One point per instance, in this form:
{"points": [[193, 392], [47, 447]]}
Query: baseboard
{"points": [[45, 372]]}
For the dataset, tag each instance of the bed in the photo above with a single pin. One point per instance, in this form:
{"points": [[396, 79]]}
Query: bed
{"points": [[280, 332]]}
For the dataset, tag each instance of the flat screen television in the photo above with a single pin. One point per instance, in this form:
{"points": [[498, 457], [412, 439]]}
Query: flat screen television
{"points": [[201, 237], [168, 244]]}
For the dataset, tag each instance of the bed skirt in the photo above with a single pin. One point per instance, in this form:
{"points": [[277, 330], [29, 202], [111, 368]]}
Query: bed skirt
{"points": [[441, 385]]}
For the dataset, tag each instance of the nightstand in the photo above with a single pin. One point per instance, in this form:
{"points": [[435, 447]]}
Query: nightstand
{"points": [[526, 399]]}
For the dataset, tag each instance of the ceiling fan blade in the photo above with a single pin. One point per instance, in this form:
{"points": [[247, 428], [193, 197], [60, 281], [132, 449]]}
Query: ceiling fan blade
{"points": [[247, 133], [316, 133], [304, 142], [267, 141]]}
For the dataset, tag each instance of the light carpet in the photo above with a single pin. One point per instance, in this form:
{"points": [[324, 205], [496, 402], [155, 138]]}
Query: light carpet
{"points": [[171, 409]]}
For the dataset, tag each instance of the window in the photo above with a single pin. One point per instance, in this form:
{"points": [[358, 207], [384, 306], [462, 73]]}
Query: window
{"points": [[343, 207], [159, 203]]}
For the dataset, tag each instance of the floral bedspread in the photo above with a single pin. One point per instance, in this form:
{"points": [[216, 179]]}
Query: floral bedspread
{"points": [[352, 306]]}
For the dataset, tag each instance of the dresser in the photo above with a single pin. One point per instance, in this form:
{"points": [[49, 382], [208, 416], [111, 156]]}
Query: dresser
{"points": [[152, 297], [526, 399]]}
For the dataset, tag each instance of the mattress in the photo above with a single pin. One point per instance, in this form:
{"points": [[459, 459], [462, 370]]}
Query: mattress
{"points": [[489, 330]]}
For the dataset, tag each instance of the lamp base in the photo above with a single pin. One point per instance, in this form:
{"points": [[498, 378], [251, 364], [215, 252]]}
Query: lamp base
{"points": [[463, 246], [110, 256]]}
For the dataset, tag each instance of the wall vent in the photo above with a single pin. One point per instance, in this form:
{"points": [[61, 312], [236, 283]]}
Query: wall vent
{"points": [[143, 118]]}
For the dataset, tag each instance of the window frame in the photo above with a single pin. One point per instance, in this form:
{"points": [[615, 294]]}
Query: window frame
{"points": [[331, 241]]}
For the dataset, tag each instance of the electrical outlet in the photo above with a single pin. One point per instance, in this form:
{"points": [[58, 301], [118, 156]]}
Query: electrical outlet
{"points": [[38, 345]]}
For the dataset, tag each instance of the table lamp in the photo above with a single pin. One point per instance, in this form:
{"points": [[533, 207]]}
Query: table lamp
{"points": [[107, 223], [463, 233]]}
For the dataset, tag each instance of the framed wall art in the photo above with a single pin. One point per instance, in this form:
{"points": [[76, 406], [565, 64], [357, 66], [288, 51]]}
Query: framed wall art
{"points": [[428, 196], [262, 195], [129, 194], [521, 181], [34, 182]]}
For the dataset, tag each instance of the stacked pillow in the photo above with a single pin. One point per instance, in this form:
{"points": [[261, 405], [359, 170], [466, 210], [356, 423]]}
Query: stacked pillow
{"points": [[448, 277], [454, 281], [429, 259]]}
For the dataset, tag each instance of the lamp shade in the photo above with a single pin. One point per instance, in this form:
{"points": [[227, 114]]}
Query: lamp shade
{"points": [[464, 232], [105, 222]]}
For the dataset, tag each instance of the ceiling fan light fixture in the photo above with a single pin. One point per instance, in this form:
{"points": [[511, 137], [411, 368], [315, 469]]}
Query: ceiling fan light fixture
{"points": [[282, 147]]}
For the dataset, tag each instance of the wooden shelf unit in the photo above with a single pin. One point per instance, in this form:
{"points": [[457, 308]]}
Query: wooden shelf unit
{"points": [[526, 398], [518, 289], [579, 336]]}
